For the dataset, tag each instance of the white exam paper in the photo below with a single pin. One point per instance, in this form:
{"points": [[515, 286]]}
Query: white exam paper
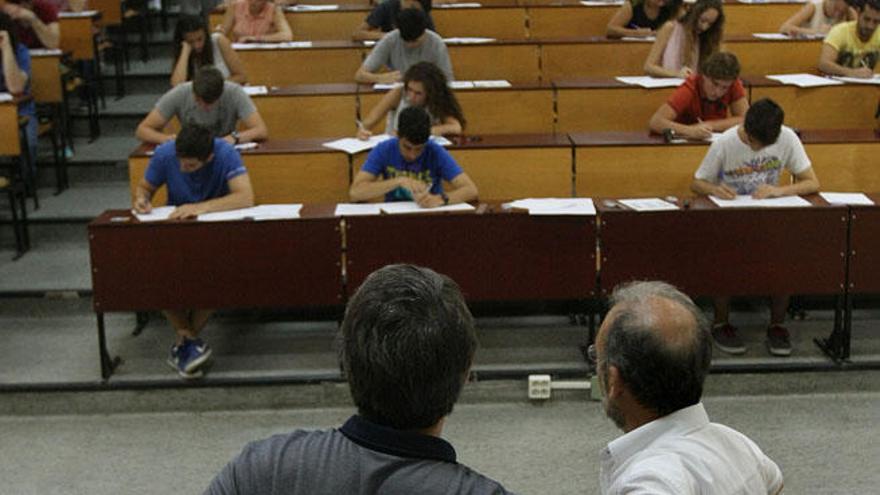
{"points": [[651, 82], [310, 8], [74, 15], [404, 207], [275, 211], [846, 198], [246, 146], [357, 209], [383, 86], [4, 97], [463, 5], [272, 46], [355, 145], [555, 206], [859, 80], [461, 84], [44, 52], [746, 201], [495, 83], [157, 214], [639, 38], [467, 40], [771, 36], [600, 3], [648, 204], [804, 80], [255, 90]]}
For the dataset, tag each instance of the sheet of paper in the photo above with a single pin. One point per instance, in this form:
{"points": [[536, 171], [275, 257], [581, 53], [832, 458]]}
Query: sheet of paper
{"points": [[804, 80], [4, 97], [442, 141], [225, 216], [651, 82], [255, 90], [771, 36], [600, 3], [355, 145], [74, 15], [463, 5], [771, 1], [357, 209], [837, 198], [467, 40], [310, 8], [158, 214], [275, 211], [461, 84], [497, 83], [648, 204], [369, 42], [555, 206], [858, 80], [644, 39], [404, 207], [272, 46], [246, 146], [44, 52], [746, 201], [386, 86]]}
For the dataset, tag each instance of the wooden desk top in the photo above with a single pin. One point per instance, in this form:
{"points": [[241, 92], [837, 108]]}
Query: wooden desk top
{"points": [[641, 138], [328, 89]]}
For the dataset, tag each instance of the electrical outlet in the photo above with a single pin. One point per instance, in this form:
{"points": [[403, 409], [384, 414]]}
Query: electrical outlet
{"points": [[539, 387]]}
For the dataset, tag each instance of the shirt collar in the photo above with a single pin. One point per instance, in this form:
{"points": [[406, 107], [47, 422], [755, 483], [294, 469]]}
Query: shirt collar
{"points": [[397, 442], [678, 423]]}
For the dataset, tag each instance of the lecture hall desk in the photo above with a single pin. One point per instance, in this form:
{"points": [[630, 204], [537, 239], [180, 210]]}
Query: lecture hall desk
{"points": [[77, 33], [864, 262], [849, 106], [604, 103], [9, 138], [637, 163], [493, 254], [281, 171], [323, 62], [521, 108], [187, 264], [309, 110], [511, 165], [706, 250]]}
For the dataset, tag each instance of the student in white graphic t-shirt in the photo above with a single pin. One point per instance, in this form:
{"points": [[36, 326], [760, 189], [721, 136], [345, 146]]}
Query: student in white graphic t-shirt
{"points": [[748, 159]]}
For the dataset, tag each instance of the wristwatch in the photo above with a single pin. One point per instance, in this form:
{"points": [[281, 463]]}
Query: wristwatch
{"points": [[445, 198], [236, 137]]}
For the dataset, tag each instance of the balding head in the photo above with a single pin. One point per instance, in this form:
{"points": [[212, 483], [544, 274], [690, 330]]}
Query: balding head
{"points": [[658, 340]]}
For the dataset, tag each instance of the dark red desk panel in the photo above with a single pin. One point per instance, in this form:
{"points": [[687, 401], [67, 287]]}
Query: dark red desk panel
{"points": [[864, 268], [493, 256], [243, 264], [707, 250]]}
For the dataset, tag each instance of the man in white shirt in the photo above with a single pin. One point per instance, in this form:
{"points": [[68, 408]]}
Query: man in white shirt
{"points": [[652, 355], [749, 159]]}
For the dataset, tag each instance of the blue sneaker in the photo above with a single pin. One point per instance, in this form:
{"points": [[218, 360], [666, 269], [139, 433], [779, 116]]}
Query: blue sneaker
{"points": [[192, 354]]}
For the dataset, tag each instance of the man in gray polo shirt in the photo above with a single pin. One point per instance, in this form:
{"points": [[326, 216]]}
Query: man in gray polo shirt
{"points": [[406, 346], [407, 45], [210, 102]]}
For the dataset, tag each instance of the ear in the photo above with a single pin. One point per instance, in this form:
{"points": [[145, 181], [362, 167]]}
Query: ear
{"points": [[615, 386]]}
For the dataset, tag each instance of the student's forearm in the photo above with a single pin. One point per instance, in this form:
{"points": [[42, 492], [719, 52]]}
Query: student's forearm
{"points": [[446, 129], [179, 74], [834, 69], [240, 78], [48, 36], [659, 124], [462, 194], [800, 188], [142, 194], [231, 201], [16, 80], [722, 125], [274, 37], [658, 71], [620, 32], [363, 76], [259, 133], [368, 190], [150, 135], [703, 187]]}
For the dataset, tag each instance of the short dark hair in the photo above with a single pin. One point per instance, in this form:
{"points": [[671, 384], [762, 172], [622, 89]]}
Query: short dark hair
{"points": [[412, 23], [874, 4], [405, 346], [208, 83], [414, 124], [194, 141], [763, 121], [721, 65], [662, 376]]}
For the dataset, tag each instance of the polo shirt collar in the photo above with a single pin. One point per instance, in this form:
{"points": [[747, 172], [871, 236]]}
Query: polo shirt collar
{"points": [[397, 442], [680, 422]]}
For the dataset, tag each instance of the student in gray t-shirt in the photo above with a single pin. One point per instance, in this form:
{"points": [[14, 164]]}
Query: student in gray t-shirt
{"points": [[407, 45], [208, 101], [406, 346]]}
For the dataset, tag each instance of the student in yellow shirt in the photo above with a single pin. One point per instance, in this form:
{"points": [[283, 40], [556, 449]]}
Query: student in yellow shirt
{"points": [[852, 48]]}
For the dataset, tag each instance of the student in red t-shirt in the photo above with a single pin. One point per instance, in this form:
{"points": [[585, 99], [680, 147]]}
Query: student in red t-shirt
{"points": [[36, 22], [712, 101]]}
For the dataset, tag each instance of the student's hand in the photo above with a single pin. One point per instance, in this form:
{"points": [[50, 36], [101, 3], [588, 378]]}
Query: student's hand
{"points": [[862, 72], [249, 39], [229, 139], [191, 210], [142, 205], [415, 187], [724, 191], [698, 131], [685, 72], [765, 191], [22, 14], [644, 31], [185, 48], [428, 200], [390, 77], [169, 137], [363, 134]]}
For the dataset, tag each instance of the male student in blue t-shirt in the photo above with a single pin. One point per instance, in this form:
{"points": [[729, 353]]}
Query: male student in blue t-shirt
{"points": [[201, 174], [410, 167]]}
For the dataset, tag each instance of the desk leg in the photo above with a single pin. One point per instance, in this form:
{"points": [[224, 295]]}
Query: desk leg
{"points": [[837, 345], [141, 320], [108, 364]]}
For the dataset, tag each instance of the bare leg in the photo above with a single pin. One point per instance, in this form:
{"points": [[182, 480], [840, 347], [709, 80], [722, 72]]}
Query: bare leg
{"points": [[778, 307], [198, 319], [182, 323], [722, 310]]}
